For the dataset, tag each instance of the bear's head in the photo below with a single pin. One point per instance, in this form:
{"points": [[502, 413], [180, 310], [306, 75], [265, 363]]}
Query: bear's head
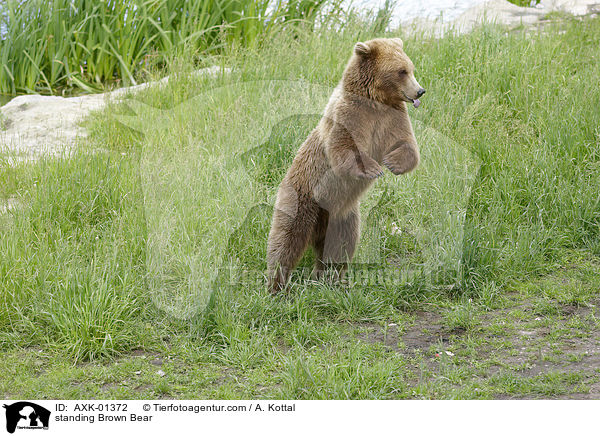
{"points": [[380, 70]]}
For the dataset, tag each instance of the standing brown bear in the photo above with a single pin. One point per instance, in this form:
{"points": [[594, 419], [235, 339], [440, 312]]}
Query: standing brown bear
{"points": [[365, 125]]}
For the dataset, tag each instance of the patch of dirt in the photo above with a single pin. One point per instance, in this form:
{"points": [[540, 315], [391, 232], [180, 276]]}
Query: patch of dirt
{"points": [[534, 352], [593, 394], [138, 353], [142, 387], [527, 351], [427, 330], [283, 346], [226, 376], [375, 334], [109, 386]]}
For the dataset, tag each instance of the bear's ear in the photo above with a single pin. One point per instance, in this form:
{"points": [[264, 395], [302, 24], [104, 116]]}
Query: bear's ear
{"points": [[399, 41], [362, 49]]}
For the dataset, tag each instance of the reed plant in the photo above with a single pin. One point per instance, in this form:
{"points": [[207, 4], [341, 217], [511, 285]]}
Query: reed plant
{"points": [[60, 45]]}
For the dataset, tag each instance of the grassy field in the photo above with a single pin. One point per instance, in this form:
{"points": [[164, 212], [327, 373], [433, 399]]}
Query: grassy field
{"points": [[477, 275]]}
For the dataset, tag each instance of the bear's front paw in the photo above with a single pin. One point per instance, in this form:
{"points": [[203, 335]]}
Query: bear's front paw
{"points": [[401, 160], [366, 168]]}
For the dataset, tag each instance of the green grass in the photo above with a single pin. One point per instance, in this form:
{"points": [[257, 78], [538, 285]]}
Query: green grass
{"points": [[151, 239], [526, 3], [61, 46]]}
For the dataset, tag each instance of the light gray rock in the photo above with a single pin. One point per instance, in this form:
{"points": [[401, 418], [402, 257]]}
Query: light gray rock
{"points": [[501, 12], [37, 125]]}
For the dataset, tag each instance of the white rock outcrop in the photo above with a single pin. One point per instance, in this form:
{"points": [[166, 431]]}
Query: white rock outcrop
{"points": [[502, 12], [36, 125]]}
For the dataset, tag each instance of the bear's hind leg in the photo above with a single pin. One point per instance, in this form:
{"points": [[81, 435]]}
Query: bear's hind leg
{"points": [[340, 242], [318, 243], [319, 267], [288, 240]]}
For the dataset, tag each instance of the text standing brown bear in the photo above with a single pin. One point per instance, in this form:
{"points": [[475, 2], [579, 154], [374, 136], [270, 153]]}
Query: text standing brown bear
{"points": [[365, 125]]}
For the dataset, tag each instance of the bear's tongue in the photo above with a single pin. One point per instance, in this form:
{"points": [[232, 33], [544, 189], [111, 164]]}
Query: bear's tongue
{"points": [[416, 102]]}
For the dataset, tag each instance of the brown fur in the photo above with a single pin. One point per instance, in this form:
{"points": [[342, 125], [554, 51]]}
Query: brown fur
{"points": [[365, 126]]}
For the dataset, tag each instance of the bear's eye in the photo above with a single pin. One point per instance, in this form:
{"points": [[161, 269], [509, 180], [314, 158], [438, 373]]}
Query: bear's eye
{"points": [[402, 72]]}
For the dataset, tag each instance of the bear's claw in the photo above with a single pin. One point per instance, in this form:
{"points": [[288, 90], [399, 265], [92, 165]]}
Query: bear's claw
{"points": [[394, 169], [402, 160], [373, 174], [367, 168]]}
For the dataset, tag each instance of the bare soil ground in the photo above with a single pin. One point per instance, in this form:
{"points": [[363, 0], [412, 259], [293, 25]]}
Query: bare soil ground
{"points": [[531, 346]]}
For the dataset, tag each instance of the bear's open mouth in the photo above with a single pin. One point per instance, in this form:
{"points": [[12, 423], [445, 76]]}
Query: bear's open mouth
{"points": [[416, 102]]}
